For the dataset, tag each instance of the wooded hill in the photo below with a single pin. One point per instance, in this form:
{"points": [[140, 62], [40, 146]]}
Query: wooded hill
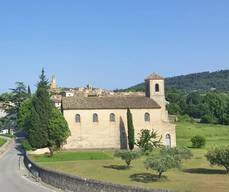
{"points": [[202, 82]]}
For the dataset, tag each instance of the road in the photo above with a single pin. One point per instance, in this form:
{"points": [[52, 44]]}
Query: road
{"points": [[12, 179]]}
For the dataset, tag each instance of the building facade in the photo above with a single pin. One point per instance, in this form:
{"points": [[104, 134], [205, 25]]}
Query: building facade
{"points": [[101, 122]]}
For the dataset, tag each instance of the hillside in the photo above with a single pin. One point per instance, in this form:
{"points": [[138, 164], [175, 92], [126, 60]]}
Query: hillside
{"points": [[205, 81]]}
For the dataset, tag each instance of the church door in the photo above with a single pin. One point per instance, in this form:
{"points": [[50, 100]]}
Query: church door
{"points": [[168, 140]]}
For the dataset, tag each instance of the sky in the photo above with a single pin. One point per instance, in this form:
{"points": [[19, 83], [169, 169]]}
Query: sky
{"points": [[110, 43]]}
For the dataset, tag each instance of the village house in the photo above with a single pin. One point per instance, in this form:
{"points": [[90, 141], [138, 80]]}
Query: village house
{"points": [[101, 122]]}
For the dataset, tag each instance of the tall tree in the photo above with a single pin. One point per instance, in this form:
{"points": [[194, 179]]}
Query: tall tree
{"points": [[29, 91], [47, 126], [130, 129]]}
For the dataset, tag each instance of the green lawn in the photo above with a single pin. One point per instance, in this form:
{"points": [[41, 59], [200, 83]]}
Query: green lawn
{"points": [[72, 156], [195, 176], [2, 142]]}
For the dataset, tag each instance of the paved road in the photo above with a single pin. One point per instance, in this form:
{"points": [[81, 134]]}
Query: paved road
{"points": [[12, 179]]}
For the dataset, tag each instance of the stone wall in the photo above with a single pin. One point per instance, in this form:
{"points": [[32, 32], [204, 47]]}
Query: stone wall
{"points": [[78, 184]]}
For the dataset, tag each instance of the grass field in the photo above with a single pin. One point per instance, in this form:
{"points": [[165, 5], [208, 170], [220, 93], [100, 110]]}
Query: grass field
{"points": [[2, 142], [195, 176]]}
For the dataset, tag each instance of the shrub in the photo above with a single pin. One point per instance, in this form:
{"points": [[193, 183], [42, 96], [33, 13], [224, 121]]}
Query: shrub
{"points": [[208, 118], [127, 156], [177, 152], [162, 163], [148, 140], [185, 118], [26, 146], [198, 141], [219, 156]]}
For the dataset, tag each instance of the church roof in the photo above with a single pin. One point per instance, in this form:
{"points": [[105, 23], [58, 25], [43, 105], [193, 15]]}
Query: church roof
{"points": [[154, 76], [121, 102]]}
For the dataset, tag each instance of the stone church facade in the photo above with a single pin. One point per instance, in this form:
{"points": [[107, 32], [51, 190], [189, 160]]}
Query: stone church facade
{"points": [[101, 122]]}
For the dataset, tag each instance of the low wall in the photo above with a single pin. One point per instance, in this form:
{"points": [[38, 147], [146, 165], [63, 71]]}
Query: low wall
{"points": [[78, 184]]}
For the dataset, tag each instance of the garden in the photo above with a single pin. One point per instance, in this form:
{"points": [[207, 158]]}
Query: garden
{"points": [[192, 167]]}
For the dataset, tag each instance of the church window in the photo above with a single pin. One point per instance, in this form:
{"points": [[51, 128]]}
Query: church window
{"points": [[112, 117], [95, 117], [77, 118], [147, 117], [157, 88]]}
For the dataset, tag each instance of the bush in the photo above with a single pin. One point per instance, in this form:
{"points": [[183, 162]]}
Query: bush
{"points": [[127, 156], [162, 163], [185, 118], [148, 140], [26, 146], [208, 119], [219, 156], [177, 152], [198, 141]]}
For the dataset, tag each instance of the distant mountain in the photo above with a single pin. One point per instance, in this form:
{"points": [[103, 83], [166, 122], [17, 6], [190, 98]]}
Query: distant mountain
{"points": [[205, 81]]}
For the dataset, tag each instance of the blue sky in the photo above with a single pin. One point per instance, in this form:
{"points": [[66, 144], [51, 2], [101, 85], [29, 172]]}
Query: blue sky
{"points": [[110, 43]]}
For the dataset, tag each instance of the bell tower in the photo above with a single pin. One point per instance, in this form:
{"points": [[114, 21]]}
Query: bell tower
{"points": [[53, 84], [155, 89]]}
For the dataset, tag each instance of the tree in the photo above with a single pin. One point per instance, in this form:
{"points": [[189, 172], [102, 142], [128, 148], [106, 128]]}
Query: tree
{"points": [[148, 140], [46, 126], [29, 91], [127, 156], [162, 163], [12, 102], [216, 104], [24, 114], [130, 130], [19, 94], [219, 156], [58, 130]]}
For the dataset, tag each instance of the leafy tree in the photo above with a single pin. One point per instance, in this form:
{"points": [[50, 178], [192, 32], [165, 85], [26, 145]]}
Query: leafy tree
{"points": [[148, 140], [130, 130], [198, 141], [58, 130], [162, 163], [216, 104], [219, 156], [24, 114], [12, 102], [127, 156]]}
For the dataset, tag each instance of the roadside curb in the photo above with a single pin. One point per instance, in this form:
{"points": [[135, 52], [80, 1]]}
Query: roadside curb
{"points": [[9, 143]]}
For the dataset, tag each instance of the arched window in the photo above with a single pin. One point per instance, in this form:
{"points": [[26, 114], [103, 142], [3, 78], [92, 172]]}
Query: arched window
{"points": [[168, 140], [112, 117], [147, 117], [77, 118], [95, 117], [157, 88]]}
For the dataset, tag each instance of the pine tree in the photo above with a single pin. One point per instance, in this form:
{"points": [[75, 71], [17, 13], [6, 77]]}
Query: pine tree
{"points": [[130, 130]]}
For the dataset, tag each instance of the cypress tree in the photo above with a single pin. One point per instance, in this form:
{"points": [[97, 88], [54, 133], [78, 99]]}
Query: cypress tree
{"points": [[40, 114], [130, 130], [29, 91], [47, 127]]}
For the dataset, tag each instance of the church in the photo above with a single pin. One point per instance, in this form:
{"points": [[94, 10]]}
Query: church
{"points": [[101, 122]]}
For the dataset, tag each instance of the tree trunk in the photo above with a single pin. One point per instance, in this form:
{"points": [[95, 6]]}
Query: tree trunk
{"points": [[159, 175], [50, 151]]}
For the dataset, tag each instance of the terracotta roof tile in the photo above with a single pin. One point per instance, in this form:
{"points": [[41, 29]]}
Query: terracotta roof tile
{"points": [[133, 102]]}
